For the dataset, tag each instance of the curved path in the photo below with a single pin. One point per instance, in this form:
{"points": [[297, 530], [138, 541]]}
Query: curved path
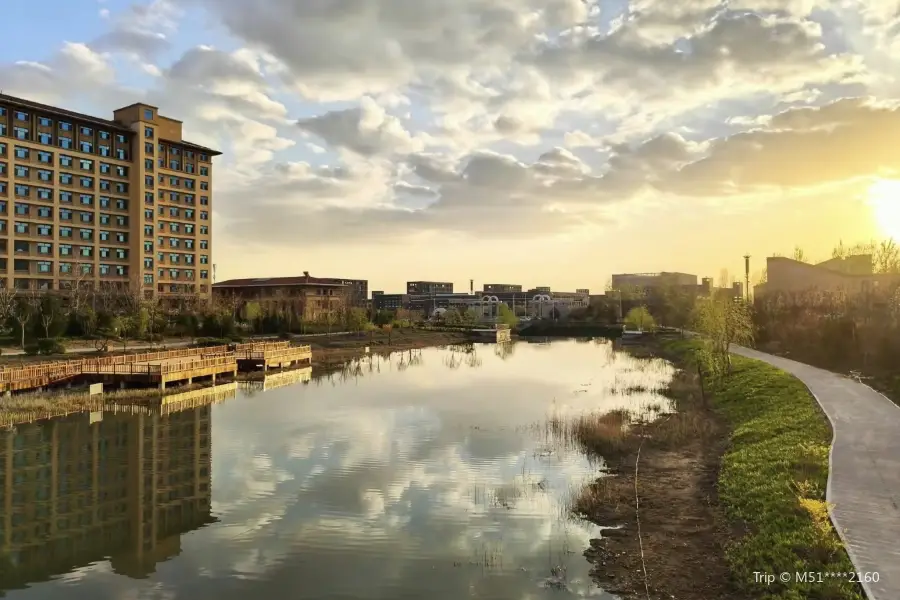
{"points": [[864, 479]]}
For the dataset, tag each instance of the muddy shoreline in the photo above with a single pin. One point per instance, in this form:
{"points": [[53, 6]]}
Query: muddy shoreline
{"points": [[683, 531]]}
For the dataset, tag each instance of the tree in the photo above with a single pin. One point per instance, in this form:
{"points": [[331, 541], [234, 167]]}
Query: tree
{"points": [[50, 309], [800, 255], [639, 318], [25, 307], [357, 319], [722, 321], [7, 303], [506, 316]]}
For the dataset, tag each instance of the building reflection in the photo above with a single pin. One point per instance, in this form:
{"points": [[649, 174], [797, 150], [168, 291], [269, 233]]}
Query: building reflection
{"points": [[91, 487]]}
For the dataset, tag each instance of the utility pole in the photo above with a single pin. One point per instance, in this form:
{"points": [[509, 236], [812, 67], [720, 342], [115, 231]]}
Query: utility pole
{"points": [[747, 277]]}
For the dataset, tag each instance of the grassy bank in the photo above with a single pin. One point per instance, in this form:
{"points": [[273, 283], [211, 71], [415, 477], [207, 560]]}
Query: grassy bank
{"points": [[734, 480]]}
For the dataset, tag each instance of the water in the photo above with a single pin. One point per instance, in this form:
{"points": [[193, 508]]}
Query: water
{"points": [[424, 476]]}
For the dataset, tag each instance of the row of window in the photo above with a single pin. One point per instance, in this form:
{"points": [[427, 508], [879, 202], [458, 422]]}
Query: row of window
{"points": [[185, 182], [175, 258], [46, 266], [24, 191], [84, 164], [87, 235], [173, 150], [174, 243], [69, 179], [177, 274], [21, 247], [65, 142], [175, 197], [45, 212], [174, 212], [25, 117]]}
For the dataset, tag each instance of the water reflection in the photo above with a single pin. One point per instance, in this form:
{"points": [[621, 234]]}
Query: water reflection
{"points": [[401, 479], [93, 486]]}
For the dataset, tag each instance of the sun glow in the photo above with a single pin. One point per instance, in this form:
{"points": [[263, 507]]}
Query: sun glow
{"points": [[884, 198]]}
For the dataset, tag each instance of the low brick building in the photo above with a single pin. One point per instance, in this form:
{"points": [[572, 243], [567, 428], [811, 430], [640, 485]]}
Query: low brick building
{"points": [[305, 297], [850, 275]]}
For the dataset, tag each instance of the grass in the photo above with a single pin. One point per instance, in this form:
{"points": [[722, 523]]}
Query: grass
{"points": [[772, 482]]}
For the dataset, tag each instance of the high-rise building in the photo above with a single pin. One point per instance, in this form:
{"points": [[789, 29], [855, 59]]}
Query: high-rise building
{"points": [[125, 201]]}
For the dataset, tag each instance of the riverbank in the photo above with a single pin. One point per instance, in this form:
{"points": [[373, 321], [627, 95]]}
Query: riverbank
{"points": [[332, 352], [730, 485]]}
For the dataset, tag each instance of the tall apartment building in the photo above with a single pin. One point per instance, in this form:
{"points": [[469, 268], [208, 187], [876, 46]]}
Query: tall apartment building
{"points": [[125, 201]]}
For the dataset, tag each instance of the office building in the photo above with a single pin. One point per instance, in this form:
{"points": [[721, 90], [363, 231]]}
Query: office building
{"points": [[625, 281], [500, 288], [358, 289], [428, 287], [114, 202]]}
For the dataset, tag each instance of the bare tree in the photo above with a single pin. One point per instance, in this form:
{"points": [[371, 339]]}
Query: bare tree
{"points": [[7, 303], [49, 309], [26, 306]]}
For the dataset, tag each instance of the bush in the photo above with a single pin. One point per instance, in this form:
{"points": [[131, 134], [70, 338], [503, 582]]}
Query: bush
{"points": [[31, 349], [49, 346], [284, 335]]}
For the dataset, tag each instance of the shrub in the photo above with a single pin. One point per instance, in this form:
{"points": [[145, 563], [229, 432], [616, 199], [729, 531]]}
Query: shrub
{"points": [[31, 349], [50, 346], [284, 335], [207, 342]]}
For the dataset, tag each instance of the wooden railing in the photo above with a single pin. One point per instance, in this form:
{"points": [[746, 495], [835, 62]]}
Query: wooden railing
{"points": [[274, 353], [261, 346]]}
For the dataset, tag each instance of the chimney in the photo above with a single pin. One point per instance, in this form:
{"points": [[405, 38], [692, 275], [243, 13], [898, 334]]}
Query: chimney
{"points": [[306, 275], [471, 286]]}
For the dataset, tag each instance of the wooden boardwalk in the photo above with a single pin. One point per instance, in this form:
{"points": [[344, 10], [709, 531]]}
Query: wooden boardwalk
{"points": [[148, 368], [271, 354], [864, 478]]}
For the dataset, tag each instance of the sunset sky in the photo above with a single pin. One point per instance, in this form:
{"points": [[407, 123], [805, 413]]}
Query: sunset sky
{"points": [[541, 142]]}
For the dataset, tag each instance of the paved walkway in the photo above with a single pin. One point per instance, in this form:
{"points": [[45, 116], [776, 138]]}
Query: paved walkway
{"points": [[864, 480]]}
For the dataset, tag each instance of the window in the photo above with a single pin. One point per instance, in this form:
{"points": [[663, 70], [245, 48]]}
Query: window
{"points": [[188, 168], [121, 253], [104, 135], [120, 138], [121, 154], [189, 228], [148, 181], [23, 190], [22, 209], [86, 234], [86, 251], [45, 230], [45, 157], [148, 279], [173, 181], [45, 175], [204, 230], [175, 151], [45, 138], [173, 242], [121, 188], [86, 217], [65, 267], [121, 271], [148, 198], [2, 149], [148, 114], [65, 126], [174, 165], [65, 179], [161, 257], [148, 229], [122, 237], [121, 221], [173, 196], [45, 193], [103, 150], [44, 266], [174, 258], [204, 274], [173, 273], [121, 204], [148, 214], [65, 197], [21, 227], [104, 185], [65, 160], [45, 212], [188, 198], [148, 263], [21, 171], [21, 133], [65, 214], [45, 122], [189, 183], [204, 200], [65, 250], [22, 152], [173, 211], [104, 236], [65, 232], [86, 165], [204, 259], [189, 259], [104, 269], [204, 216], [87, 147], [21, 116], [104, 219], [121, 171], [173, 227], [105, 168], [148, 132], [104, 252], [148, 246], [86, 182], [148, 164], [86, 199], [148, 147], [104, 202], [44, 248], [86, 130], [161, 162], [64, 142]]}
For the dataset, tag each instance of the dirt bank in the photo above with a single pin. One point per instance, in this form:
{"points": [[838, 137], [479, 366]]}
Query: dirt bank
{"points": [[331, 352], [682, 531]]}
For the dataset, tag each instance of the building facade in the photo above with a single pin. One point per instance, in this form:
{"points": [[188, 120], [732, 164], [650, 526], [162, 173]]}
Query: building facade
{"points": [[500, 288], [359, 290], [428, 287], [121, 202], [303, 298], [624, 281]]}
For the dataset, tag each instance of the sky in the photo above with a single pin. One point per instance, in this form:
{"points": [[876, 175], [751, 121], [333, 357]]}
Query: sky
{"points": [[538, 142]]}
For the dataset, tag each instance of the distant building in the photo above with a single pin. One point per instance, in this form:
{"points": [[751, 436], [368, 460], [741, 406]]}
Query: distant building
{"points": [[583, 291], [304, 298], [359, 289], [652, 280], [429, 287], [501, 288], [382, 301], [851, 275], [541, 289]]}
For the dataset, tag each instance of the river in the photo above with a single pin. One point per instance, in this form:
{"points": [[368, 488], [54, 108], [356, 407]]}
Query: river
{"points": [[428, 474]]}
